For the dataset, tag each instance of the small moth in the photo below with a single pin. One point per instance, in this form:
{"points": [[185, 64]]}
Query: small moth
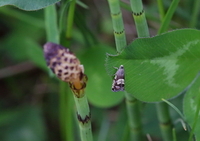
{"points": [[118, 81]]}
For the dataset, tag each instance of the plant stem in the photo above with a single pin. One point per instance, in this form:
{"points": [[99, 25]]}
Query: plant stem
{"points": [[65, 113], [162, 108], [88, 36], [133, 104], [168, 16], [62, 15], [126, 133], [62, 103], [51, 24], [65, 103], [134, 118], [133, 112], [161, 9], [118, 26], [139, 17], [174, 134], [195, 12], [120, 41], [83, 111], [70, 19], [84, 118], [165, 121]]}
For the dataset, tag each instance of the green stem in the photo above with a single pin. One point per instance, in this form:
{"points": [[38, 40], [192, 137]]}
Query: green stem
{"points": [[168, 16], [84, 118], [88, 36], [83, 111], [126, 132], [70, 19], [162, 108], [175, 108], [161, 9], [133, 112], [62, 15], [134, 118], [139, 17], [51, 24], [195, 12], [165, 121], [174, 134], [65, 113], [62, 101], [65, 103], [132, 103], [118, 26]]}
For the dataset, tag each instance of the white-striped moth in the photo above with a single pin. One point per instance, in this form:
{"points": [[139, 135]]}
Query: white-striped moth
{"points": [[118, 81]]}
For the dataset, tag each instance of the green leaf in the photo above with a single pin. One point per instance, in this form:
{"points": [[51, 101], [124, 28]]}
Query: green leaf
{"points": [[191, 109], [99, 84], [28, 4], [159, 67]]}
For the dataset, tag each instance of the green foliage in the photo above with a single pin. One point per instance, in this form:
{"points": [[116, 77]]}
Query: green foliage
{"points": [[191, 109], [161, 66], [22, 124], [28, 4]]}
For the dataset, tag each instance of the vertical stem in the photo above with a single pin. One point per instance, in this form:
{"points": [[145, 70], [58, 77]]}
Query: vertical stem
{"points": [[65, 105], [65, 113], [120, 41], [134, 118], [139, 17], [118, 26], [84, 118], [126, 133], [161, 9], [70, 19], [88, 36], [165, 121], [83, 111], [133, 104], [51, 24], [195, 12], [62, 103], [168, 16], [162, 108], [174, 134], [66, 20]]}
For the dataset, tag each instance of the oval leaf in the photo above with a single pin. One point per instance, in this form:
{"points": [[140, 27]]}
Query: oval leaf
{"points": [[191, 108], [161, 66], [28, 4]]}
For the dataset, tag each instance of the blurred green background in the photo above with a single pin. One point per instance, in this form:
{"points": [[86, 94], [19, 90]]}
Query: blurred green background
{"points": [[29, 100]]}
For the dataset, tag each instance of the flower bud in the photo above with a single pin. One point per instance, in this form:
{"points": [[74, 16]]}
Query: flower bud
{"points": [[65, 66]]}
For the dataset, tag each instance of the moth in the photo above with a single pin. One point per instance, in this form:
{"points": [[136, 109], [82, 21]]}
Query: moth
{"points": [[118, 81]]}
